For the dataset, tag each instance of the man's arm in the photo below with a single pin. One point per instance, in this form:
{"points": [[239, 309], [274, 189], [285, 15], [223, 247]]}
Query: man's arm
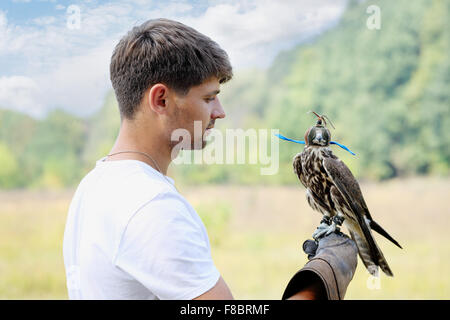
{"points": [[219, 292], [313, 289]]}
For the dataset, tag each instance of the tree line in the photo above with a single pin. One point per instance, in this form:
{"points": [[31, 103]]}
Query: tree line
{"points": [[386, 91]]}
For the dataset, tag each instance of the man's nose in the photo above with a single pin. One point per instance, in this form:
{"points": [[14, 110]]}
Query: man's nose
{"points": [[218, 112]]}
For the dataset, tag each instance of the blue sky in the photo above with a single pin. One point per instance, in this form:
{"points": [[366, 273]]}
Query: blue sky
{"points": [[46, 62]]}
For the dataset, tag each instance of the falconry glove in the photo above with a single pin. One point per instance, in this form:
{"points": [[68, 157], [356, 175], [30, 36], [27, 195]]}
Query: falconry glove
{"points": [[333, 260]]}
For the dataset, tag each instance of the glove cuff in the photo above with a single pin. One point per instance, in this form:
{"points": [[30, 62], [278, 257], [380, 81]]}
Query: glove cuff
{"points": [[320, 268]]}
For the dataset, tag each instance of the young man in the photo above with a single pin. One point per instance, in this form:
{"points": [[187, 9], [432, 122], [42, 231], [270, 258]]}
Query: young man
{"points": [[129, 232]]}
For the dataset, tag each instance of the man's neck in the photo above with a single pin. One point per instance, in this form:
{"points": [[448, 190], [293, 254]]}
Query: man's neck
{"points": [[130, 139]]}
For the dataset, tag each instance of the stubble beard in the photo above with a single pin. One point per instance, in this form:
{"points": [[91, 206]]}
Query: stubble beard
{"points": [[192, 143]]}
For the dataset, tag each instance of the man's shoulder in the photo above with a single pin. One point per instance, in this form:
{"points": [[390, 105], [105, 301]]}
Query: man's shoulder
{"points": [[130, 178], [118, 191]]}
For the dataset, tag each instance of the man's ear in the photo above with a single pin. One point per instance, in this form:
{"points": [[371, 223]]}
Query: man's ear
{"points": [[157, 98]]}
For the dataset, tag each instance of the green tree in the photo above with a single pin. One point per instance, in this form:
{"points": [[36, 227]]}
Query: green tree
{"points": [[9, 168]]}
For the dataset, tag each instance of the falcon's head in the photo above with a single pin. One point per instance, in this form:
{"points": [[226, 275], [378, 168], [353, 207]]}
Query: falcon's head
{"points": [[318, 135]]}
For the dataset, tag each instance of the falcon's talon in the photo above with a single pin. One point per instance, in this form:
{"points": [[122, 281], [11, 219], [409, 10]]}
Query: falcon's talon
{"points": [[332, 228], [324, 230], [320, 231]]}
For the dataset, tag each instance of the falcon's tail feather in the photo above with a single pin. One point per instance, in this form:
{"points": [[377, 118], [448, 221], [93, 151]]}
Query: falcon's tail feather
{"points": [[376, 227], [366, 253]]}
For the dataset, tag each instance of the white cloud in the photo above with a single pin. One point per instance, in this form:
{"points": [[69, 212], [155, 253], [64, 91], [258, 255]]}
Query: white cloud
{"points": [[55, 66], [248, 29], [78, 84], [44, 20], [22, 94], [3, 30]]}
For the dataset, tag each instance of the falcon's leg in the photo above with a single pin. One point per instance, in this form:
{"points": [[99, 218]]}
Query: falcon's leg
{"points": [[336, 224], [322, 228], [328, 226]]}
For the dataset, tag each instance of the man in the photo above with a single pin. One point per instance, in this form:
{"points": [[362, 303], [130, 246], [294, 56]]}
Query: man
{"points": [[129, 233]]}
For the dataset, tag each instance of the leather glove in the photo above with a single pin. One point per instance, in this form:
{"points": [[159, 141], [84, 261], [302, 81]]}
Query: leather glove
{"points": [[333, 260]]}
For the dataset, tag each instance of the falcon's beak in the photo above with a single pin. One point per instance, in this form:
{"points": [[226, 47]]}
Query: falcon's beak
{"points": [[318, 139]]}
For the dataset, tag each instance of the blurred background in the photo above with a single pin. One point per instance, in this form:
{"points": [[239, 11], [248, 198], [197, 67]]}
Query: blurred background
{"points": [[380, 70]]}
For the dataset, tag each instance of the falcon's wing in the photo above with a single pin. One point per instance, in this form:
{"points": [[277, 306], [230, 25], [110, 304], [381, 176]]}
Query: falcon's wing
{"points": [[344, 180], [346, 183], [349, 187]]}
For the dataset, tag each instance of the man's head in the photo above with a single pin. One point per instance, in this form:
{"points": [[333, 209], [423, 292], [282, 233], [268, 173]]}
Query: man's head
{"points": [[156, 65], [170, 71]]}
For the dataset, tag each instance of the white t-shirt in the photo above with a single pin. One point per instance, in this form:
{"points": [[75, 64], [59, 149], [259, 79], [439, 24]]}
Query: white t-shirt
{"points": [[131, 235]]}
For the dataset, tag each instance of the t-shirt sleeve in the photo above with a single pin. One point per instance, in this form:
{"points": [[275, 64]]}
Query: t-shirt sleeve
{"points": [[167, 250]]}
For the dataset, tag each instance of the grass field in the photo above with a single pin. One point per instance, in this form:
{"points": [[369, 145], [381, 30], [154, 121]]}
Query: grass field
{"points": [[256, 235]]}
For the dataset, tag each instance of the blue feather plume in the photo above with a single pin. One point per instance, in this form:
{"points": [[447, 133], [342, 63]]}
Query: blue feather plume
{"points": [[303, 142]]}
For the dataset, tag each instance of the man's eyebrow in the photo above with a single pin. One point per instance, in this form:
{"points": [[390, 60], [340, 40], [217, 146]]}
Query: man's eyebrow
{"points": [[212, 93]]}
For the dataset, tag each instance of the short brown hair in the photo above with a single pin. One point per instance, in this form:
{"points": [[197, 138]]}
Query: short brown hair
{"points": [[163, 51]]}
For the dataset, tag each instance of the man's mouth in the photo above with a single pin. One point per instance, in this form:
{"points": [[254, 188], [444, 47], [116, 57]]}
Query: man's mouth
{"points": [[208, 130]]}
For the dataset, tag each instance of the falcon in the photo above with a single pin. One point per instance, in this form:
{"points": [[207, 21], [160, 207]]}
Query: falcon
{"points": [[332, 190]]}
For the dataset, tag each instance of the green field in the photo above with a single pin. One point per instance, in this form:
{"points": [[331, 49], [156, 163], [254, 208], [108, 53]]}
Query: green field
{"points": [[256, 235]]}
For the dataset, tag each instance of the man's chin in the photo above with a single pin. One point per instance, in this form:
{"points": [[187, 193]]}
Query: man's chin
{"points": [[199, 145]]}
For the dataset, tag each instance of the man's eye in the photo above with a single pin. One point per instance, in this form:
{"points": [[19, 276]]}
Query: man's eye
{"points": [[210, 99]]}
